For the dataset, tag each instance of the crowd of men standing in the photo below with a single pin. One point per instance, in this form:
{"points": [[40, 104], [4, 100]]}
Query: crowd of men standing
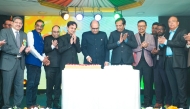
{"points": [[161, 55]]}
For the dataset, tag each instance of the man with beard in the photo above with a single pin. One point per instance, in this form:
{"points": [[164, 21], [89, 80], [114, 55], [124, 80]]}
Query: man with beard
{"points": [[160, 77], [34, 62], [69, 46]]}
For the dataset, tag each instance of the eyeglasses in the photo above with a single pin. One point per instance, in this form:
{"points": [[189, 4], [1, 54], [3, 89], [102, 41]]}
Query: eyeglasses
{"points": [[95, 28], [55, 31], [141, 26]]}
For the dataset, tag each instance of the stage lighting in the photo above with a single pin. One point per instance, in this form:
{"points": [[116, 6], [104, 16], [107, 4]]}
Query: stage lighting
{"points": [[117, 15], [65, 16], [98, 17], [79, 16], [64, 13]]}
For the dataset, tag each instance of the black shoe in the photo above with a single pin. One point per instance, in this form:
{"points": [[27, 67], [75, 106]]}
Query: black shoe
{"points": [[56, 106]]}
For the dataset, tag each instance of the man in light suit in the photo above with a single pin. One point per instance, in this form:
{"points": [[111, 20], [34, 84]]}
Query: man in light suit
{"points": [[12, 62], [143, 59], [175, 57]]}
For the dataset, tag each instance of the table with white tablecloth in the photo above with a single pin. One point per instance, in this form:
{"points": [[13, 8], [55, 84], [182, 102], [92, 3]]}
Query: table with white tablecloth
{"points": [[115, 87]]}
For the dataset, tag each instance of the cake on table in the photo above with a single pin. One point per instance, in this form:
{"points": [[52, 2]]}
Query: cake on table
{"points": [[82, 66]]}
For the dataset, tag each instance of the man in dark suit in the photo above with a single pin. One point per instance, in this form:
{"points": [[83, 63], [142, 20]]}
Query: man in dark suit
{"points": [[176, 61], [187, 38], [53, 73], [69, 46], [94, 46], [12, 62], [160, 78], [143, 59], [7, 24], [122, 42]]}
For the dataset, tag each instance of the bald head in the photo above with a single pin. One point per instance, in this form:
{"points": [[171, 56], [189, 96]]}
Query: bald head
{"points": [[94, 25]]}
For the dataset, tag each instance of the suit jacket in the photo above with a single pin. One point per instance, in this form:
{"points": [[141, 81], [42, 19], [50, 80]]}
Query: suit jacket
{"points": [[123, 52], [178, 47], [10, 50], [67, 51], [95, 46], [188, 58], [160, 53], [147, 51], [53, 54]]}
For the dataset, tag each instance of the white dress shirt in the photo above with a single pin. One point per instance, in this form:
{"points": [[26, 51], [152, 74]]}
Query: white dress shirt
{"points": [[30, 39]]}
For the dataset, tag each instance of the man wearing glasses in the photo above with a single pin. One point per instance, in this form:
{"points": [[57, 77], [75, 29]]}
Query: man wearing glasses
{"points": [[94, 46], [143, 61], [53, 73], [34, 62], [122, 42]]}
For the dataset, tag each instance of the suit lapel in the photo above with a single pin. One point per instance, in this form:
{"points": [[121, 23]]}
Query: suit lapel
{"points": [[138, 39], [13, 36], [21, 38], [146, 37], [177, 31]]}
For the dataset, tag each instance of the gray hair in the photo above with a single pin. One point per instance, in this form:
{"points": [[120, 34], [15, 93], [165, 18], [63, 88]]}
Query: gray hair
{"points": [[17, 17]]}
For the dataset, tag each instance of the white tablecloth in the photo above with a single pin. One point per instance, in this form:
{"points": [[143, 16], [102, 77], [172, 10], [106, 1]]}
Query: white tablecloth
{"points": [[109, 88]]}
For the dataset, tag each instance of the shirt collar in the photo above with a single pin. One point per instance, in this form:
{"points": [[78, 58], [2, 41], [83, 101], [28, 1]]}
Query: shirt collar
{"points": [[14, 31], [173, 30]]}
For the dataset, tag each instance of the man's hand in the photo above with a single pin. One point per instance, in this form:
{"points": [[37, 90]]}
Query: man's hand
{"points": [[89, 59], [121, 38], [144, 44], [2, 43], [74, 38], [71, 40], [46, 62], [54, 43], [22, 48], [187, 37], [161, 40], [125, 36], [188, 42], [154, 51], [56, 47], [106, 63], [27, 50]]}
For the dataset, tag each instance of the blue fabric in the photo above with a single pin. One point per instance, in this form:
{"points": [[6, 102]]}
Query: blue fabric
{"points": [[168, 49], [39, 46]]}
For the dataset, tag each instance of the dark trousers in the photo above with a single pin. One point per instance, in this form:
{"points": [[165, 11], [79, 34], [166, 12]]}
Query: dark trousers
{"points": [[16, 75], [121, 63], [177, 79], [146, 72], [53, 85], [33, 79], [161, 83], [1, 90]]}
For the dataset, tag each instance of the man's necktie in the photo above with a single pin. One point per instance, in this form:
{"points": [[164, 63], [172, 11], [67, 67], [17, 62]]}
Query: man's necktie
{"points": [[18, 39]]}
